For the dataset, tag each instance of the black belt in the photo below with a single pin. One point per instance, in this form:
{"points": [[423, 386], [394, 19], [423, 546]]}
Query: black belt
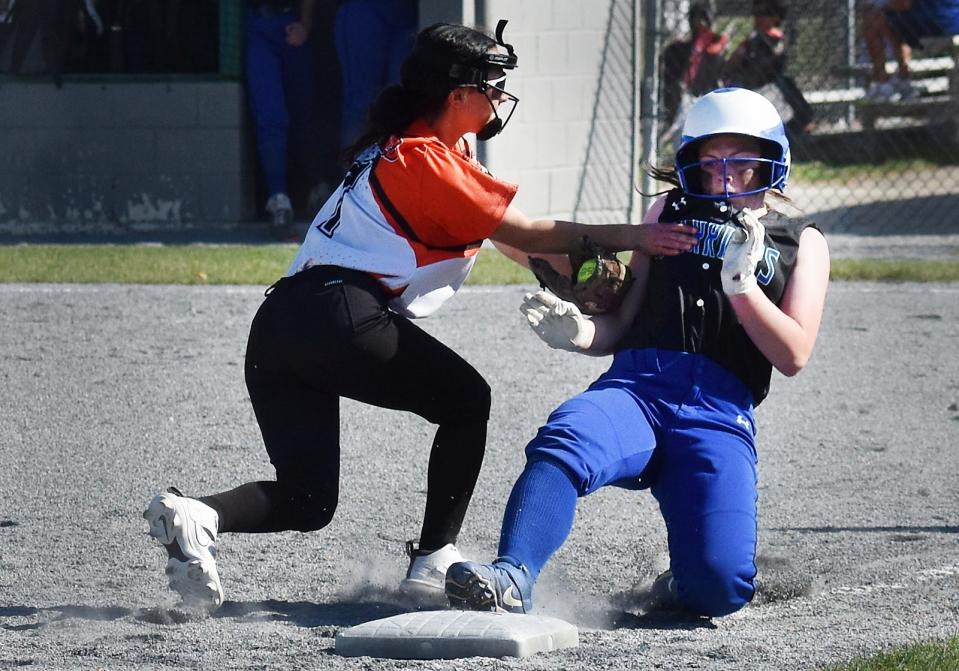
{"points": [[325, 275]]}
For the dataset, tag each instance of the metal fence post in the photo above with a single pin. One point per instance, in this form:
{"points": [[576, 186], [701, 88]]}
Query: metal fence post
{"points": [[649, 95]]}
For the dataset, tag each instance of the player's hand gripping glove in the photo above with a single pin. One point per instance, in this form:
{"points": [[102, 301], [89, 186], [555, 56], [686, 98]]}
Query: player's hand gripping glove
{"points": [[558, 323], [599, 282], [743, 254]]}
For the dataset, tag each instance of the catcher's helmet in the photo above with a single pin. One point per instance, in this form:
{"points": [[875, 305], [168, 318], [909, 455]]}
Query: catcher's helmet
{"points": [[477, 73], [739, 112]]}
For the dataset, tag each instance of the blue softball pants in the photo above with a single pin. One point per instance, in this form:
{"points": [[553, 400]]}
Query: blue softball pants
{"points": [[676, 423], [373, 38], [281, 87]]}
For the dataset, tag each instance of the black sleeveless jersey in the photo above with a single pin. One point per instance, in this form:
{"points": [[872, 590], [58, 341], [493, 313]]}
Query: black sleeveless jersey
{"points": [[685, 308]]}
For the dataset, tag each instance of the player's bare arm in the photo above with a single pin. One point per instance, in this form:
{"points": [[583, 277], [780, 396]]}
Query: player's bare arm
{"points": [[610, 327], [551, 236], [786, 334]]}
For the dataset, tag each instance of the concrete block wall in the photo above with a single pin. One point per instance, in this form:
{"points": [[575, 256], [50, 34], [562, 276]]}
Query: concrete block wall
{"points": [[121, 154], [569, 145], [127, 155]]}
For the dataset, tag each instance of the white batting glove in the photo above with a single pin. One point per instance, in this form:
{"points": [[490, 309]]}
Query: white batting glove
{"points": [[558, 323], [742, 256]]}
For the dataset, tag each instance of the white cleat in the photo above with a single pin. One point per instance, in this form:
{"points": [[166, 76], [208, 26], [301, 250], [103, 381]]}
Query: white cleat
{"points": [[187, 529], [425, 581]]}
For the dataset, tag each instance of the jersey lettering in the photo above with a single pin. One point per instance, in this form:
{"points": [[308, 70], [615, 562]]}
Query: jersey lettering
{"points": [[675, 284], [713, 238], [724, 243], [328, 227], [771, 256]]}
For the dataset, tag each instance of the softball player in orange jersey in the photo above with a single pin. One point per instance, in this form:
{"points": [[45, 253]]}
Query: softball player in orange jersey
{"points": [[393, 242]]}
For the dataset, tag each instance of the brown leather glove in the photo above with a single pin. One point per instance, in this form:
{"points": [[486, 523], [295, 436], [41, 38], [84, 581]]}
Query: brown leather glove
{"points": [[599, 282]]}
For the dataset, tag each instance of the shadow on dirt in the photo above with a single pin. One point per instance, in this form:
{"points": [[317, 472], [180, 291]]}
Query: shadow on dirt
{"points": [[672, 620], [921, 215], [307, 614], [51, 614], [779, 579], [881, 530], [299, 613]]}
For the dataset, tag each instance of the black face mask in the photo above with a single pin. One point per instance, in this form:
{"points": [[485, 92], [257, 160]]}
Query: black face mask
{"points": [[476, 75], [490, 130], [495, 125]]}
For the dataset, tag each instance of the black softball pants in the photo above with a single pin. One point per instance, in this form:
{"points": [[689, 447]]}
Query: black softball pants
{"points": [[325, 333]]}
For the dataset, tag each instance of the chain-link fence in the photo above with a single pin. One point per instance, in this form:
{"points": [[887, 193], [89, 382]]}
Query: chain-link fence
{"points": [[872, 153], [604, 191], [126, 37]]}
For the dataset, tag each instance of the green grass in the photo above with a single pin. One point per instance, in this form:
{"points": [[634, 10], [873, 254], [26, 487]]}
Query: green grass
{"points": [[263, 264], [145, 264], [818, 171], [895, 270], [186, 264], [933, 656], [494, 268]]}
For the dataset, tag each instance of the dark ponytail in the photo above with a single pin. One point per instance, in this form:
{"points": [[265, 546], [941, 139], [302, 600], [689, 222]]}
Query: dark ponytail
{"points": [[426, 80], [660, 174], [393, 110]]}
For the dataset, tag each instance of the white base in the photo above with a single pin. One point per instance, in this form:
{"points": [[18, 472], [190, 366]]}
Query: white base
{"points": [[449, 634]]}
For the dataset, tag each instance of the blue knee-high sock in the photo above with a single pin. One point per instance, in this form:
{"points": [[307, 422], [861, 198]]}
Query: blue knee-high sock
{"points": [[539, 516]]}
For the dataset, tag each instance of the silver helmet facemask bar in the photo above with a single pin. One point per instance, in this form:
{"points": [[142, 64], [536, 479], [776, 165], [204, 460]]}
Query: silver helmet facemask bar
{"points": [[477, 74], [772, 175]]}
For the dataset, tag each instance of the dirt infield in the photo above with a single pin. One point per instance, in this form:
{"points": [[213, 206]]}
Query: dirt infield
{"points": [[111, 393]]}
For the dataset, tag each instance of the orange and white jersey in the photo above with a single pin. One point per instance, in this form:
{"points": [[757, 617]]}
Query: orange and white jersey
{"points": [[413, 213]]}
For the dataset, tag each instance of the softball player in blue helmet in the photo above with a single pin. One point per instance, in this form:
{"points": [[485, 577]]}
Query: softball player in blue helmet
{"points": [[394, 242], [693, 345]]}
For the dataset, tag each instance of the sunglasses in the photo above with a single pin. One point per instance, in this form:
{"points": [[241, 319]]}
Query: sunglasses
{"points": [[498, 85]]}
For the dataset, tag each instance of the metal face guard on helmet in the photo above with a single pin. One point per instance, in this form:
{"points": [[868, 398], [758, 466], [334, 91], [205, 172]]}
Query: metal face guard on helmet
{"points": [[691, 176], [496, 125], [478, 74], [734, 111]]}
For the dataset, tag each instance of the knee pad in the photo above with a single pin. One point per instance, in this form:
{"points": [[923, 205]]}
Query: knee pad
{"points": [[312, 518], [713, 590], [309, 509]]}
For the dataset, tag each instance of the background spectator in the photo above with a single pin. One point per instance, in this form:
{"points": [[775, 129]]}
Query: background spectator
{"points": [[878, 38], [6, 24], [281, 86], [760, 61], [691, 65], [54, 22], [131, 36], [372, 39], [899, 25]]}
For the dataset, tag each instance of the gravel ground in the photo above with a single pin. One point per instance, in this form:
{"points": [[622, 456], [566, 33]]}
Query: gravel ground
{"points": [[937, 247], [111, 393]]}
